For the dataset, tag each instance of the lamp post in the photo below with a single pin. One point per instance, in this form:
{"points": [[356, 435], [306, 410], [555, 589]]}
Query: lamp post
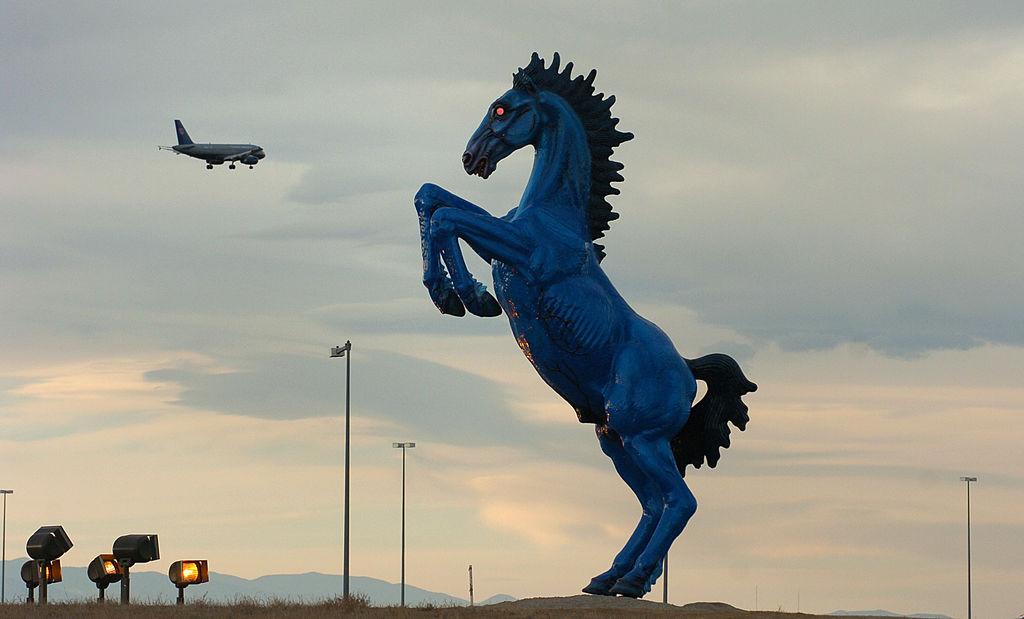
{"points": [[345, 351], [967, 481], [3, 547], [403, 447]]}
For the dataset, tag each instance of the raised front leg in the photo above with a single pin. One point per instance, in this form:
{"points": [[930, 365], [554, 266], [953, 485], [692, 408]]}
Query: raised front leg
{"points": [[428, 199], [491, 237]]}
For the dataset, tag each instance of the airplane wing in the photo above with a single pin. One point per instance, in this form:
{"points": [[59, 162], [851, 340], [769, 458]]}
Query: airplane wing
{"points": [[239, 156]]}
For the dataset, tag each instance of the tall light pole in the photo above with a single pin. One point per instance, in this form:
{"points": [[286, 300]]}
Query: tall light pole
{"points": [[345, 351], [403, 447], [967, 481], [3, 551]]}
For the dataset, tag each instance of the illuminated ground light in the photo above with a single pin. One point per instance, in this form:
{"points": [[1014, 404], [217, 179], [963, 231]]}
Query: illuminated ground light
{"points": [[45, 546], [104, 570], [185, 573], [132, 549], [30, 574]]}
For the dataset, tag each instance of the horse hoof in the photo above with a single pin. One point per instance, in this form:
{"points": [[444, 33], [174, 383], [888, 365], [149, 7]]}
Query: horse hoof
{"points": [[486, 306], [627, 588], [598, 587], [449, 303]]}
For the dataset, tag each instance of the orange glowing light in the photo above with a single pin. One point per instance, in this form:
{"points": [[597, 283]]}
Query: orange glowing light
{"points": [[109, 567], [189, 572], [185, 573]]}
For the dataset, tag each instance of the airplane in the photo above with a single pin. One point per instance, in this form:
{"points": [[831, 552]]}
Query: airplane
{"points": [[215, 154]]}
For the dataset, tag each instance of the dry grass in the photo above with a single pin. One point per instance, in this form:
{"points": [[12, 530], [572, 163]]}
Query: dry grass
{"points": [[577, 606]]}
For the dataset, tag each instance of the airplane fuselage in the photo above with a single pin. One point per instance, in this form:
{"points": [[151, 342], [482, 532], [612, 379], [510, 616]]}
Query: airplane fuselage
{"points": [[219, 153]]}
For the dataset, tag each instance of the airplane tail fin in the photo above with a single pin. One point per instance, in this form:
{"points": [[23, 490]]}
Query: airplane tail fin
{"points": [[182, 134]]}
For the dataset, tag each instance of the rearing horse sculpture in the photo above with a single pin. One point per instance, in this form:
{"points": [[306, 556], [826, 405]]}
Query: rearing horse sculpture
{"points": [[617, 370]]}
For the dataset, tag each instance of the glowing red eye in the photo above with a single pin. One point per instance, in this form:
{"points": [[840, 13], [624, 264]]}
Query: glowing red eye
{"points": [[499, 111]]}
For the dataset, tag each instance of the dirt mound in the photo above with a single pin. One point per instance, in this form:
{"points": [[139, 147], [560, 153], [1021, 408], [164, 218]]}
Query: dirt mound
{"points": [[611, 603]]}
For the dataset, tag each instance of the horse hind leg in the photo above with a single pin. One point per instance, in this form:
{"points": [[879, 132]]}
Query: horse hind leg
{"points": [[653, 456], [651, 501]]}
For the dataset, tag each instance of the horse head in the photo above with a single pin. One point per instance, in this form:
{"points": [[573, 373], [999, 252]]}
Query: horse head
{"points": [[511, 122]]}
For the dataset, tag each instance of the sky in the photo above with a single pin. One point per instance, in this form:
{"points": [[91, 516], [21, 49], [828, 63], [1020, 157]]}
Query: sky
{"points": [[829, 192]]}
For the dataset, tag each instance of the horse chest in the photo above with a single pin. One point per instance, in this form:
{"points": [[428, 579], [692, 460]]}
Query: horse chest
{"points": [[564, 328]]}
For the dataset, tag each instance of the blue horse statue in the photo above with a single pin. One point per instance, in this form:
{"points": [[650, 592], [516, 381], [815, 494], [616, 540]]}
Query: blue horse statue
{"points": [[616, 369]]}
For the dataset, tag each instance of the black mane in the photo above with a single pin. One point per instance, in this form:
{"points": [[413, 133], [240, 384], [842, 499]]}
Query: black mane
{"points": [[594, 111]]}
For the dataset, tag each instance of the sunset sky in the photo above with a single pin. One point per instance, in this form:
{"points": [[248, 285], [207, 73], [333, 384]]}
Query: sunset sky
{"points": [[829, 192]]}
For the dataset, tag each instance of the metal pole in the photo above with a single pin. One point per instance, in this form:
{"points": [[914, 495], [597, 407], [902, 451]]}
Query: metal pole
{"points": [[181, 596], [969, 605], [968, 480], [403, 525], [348, 384], [471, 585], [664, 584], [3, 551], [41, 571], [126, 585]]}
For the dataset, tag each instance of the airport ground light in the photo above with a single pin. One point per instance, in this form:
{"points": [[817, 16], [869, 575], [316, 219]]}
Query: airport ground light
{"points": [[104, 570], [45, 546], [185, 573], [132, 549]]}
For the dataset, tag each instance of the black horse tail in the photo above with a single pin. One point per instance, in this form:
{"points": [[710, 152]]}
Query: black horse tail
{"points": [[707, 429]]}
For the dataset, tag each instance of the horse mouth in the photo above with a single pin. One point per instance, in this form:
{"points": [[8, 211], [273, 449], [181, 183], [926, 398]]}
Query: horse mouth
{"points": [[483, 167]]}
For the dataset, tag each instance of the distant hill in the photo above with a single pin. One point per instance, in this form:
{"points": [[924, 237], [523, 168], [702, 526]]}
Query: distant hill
{"points": [[309, 587], [497, 599], [886, 613]]}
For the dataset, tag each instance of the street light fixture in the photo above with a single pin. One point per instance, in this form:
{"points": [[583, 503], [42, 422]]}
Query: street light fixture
{"points": [[185, 573], [132, 549], [967, 481], [30, 573], [47, 545], [104, 570], [3, 547], [345, 351], [403, 447]]}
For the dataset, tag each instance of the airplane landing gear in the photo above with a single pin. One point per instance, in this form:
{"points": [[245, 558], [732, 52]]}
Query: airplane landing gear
{"points": [[231, 167], [250, 167], [209, 166]]}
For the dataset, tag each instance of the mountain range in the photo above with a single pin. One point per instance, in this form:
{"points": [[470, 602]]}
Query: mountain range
{"points": [[309, 587], [886, 613]]}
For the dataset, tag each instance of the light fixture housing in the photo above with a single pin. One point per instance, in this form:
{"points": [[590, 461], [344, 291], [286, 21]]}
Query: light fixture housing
{"points": [[191, 572], [30, 573], [48, 543], [132, 549], [104, 570]]}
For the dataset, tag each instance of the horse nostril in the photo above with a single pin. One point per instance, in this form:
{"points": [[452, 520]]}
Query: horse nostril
{"points": [[466, 158]]}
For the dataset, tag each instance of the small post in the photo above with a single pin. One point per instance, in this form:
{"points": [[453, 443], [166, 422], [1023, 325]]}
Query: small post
{"points": [[664, 584], [126, 584], [181, 596], [471, 584], [103, 595], [41, 571]]}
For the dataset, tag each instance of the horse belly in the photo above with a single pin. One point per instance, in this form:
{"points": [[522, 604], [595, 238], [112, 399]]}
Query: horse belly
{"points": [[577, 315], [566, 332]]}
